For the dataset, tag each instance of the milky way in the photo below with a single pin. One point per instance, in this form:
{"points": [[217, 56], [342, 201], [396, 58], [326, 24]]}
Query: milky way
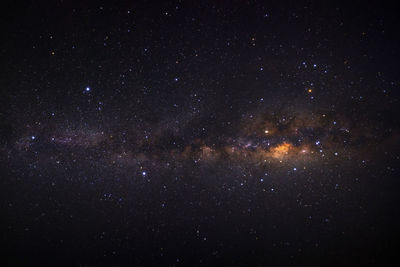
{"points": [[263, 138]]}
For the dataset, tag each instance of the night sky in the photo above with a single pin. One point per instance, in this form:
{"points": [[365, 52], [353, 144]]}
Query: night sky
{"points": [[199, 133]]}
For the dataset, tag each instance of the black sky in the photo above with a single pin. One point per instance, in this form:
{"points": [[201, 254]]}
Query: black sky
{"points": [[177, 133]]}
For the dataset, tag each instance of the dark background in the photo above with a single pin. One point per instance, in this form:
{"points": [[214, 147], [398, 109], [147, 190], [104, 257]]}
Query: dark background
{"points": [[202, 63]]}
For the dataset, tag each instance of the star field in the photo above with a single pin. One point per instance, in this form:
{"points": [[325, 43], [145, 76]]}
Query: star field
{"points": [[178, 133]]}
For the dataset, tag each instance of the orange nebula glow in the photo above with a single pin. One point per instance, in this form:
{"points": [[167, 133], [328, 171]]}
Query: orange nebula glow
{"points": [[281, 150]]}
